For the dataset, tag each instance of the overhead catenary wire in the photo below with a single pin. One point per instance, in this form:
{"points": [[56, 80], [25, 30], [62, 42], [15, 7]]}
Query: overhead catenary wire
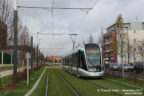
{"points": [[52, 8], [87, 12]]}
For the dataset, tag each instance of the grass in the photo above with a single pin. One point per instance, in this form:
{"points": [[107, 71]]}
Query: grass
{"points": [[40, 90], [5, 81], [57, 87], [123, 81], [4, 68], [83, 87], [22, 87], [111, 85]]}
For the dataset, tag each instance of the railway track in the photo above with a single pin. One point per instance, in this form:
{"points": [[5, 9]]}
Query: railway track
{"points": [[114, 93], [67, 83], [46, 90]]}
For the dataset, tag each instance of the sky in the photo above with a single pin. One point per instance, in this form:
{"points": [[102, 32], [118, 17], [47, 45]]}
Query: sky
{"points": [[103, 14]]}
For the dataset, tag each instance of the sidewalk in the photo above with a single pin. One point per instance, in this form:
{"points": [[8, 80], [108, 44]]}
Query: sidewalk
{"points": [[9, 72]]}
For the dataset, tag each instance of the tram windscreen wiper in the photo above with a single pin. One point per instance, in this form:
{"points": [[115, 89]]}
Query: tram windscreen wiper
{"points": [[91, 62]]}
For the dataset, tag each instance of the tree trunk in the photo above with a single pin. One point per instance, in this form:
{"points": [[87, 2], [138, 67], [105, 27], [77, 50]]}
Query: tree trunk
{"points": [[122, 68]]}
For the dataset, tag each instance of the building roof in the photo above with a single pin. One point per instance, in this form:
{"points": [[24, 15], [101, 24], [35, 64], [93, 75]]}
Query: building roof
{"points": [[114, 25], [55, 58]]}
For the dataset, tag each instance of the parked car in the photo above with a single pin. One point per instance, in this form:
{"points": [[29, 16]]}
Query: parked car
{"points": [[127, 67], [114, 66], [139, 67]]}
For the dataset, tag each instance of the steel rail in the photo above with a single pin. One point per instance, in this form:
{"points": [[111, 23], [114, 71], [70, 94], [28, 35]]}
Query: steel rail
{"points": [[115, 93], [46, 91], [67, 83]]}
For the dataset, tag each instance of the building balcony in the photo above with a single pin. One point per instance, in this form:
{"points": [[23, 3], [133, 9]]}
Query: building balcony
{"points": [[107, 51], [107, 43], [106, 58]]}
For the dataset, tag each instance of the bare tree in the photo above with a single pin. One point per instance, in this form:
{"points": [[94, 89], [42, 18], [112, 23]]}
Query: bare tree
{"points": [[100, 38], [119, 42], [5, 17], [90, 39], [78, 45], [23, 40], [140, 49], [83, 42]]}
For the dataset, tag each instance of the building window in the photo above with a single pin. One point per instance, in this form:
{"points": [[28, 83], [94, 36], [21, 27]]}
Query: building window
{"points": [[134, 40], [134, 31]]}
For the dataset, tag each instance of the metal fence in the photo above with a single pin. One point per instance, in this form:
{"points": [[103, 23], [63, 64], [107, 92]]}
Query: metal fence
{"points": [[7, 58]]}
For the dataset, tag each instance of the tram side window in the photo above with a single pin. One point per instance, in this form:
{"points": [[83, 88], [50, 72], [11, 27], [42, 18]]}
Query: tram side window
{"points": [[67, 61], [77, 55], [70, 60], [63, 61], [75, 59], [82, 61]]}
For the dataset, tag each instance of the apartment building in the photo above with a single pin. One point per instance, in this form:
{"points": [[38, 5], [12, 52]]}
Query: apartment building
{"points": [[135, 33]]}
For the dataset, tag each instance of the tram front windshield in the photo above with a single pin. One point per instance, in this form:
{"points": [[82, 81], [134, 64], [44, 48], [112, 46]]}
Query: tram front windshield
{"points": [[93, 59]]}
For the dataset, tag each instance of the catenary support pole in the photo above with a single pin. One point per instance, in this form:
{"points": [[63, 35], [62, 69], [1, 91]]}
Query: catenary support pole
{"points": [[15, 20], [27, 71], [31, 62]]}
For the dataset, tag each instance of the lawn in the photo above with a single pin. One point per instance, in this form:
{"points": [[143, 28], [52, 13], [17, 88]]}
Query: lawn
{"points": [[5, 81], [22, 88], [4, 68]]}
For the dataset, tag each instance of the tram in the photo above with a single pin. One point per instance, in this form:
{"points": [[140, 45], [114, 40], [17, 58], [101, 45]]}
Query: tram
{"points": [[84, 62]]}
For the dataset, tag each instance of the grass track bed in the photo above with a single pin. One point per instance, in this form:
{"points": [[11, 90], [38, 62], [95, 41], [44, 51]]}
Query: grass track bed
{"points": [[124, 82], [82, 86], [57, 87], [111, 85]]}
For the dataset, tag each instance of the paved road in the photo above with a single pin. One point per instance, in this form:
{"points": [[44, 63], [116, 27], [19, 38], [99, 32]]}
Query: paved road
{"points": [[9, 72]]}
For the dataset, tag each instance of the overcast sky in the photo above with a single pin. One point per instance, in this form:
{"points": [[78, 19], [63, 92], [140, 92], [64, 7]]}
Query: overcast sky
{"points": [[103, 15]]}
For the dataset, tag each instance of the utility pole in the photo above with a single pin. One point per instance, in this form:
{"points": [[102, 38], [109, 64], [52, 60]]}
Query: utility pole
{"points": [[15, 20], [37, 48], [37, 55], [31, 60], [31, 52]]}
